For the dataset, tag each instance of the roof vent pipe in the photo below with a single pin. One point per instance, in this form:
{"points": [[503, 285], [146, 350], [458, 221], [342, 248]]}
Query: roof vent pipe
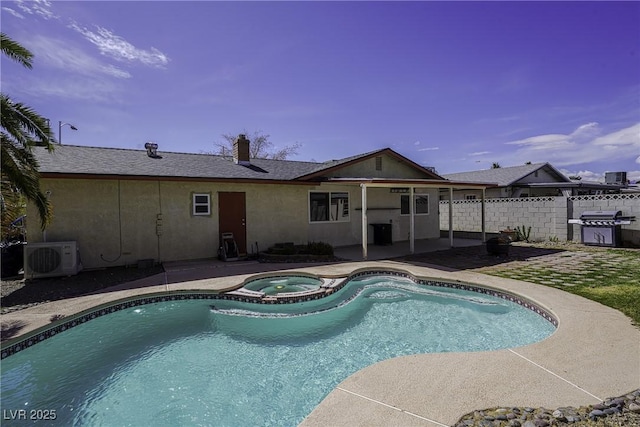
{"points": [[152, 148], [241, 150]]}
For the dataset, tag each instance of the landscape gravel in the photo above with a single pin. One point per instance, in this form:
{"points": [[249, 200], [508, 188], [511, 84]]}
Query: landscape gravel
{"points": [[612, 412]]}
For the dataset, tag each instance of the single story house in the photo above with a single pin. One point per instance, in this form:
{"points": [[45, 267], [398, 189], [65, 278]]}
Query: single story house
{"points": [[123, 205], [529, 180]]}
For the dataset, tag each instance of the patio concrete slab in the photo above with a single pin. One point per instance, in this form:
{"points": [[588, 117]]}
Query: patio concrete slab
{"points": [[439, 388]]}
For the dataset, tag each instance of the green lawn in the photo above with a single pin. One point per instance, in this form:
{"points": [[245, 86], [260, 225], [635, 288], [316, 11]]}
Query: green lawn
{"points": [[611, 278]]}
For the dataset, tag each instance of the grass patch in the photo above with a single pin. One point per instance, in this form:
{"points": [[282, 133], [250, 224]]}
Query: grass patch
{"points": [[610, 279]]}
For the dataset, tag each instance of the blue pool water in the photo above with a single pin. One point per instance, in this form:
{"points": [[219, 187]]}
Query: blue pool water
{"points": [[280, 284], [216, 362]]}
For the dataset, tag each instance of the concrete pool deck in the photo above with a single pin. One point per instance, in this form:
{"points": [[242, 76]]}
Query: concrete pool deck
{"points": [[593, 354]]}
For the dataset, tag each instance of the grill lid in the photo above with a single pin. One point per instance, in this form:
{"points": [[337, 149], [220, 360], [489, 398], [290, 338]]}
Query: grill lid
{"points": [[607, 218], [600, 215]]}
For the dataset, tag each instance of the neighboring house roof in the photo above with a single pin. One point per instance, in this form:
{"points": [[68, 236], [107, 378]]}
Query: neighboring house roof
{"points": [[82, 160], [506, 176]]}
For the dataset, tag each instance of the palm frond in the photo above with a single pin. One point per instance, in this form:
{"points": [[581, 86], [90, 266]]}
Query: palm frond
{"points": [[20, 168], [15, 50], [26, 126]]}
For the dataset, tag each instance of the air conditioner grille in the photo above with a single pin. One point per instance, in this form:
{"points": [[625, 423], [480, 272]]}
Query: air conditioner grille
{"points": [[44, 260]]}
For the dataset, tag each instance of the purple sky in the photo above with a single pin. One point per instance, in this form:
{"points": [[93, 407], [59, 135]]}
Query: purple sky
{"points": [[452, 85]]}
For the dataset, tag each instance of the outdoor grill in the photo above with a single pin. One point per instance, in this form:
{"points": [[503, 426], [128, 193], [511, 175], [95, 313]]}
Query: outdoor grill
{"points": [[602, 228]]}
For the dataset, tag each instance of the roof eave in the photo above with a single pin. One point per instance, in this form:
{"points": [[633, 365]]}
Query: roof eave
{"points": [[66, 175], [433, 183]]}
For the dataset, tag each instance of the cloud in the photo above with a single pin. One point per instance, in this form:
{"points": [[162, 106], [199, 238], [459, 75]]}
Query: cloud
{"points": [[80, 88], [638, 160], [13, 12], [62, 55], [429, 149], [41, 8], [116, 47], [480, 153], [585, 144]]}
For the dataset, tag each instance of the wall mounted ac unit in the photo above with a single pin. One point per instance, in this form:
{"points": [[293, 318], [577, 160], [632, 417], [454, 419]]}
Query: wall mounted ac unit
{"points": [[50, 259]]}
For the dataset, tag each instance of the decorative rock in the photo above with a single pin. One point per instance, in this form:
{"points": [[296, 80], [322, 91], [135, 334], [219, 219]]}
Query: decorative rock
{"points": [[595, 414], [624, 409], [541, 422], [617, 402], [559, 415], [609, 411]]}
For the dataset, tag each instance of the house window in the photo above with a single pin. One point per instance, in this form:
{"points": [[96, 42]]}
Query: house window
{"points": [[420, 204], [470, 197], [328, 206], [201, 204], [379, 163]]}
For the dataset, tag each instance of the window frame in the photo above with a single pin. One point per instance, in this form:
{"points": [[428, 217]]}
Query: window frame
{"points": [[329, 197], [195, 204], [416, 196]]}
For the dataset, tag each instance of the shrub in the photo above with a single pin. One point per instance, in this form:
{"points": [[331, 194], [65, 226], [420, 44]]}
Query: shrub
{"points": [[320, 248]]}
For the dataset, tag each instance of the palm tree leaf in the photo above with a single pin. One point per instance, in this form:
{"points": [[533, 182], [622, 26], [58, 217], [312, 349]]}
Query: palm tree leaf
{"points": [[15, 50]]}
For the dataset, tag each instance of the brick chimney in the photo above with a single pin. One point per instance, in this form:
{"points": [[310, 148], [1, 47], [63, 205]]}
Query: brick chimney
{"points": [[241, 150]]}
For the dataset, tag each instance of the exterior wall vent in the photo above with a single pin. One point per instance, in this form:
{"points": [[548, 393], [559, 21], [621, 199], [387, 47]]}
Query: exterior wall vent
{"points": [[379, 163]]}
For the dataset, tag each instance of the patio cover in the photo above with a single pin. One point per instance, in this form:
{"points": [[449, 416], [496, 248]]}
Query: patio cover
{"points": [[412, 184]]}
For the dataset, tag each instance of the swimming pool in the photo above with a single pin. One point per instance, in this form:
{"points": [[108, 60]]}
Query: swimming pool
{"points": [[226, 362]]}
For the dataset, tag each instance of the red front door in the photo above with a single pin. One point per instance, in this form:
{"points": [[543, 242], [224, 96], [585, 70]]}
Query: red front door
{"points": [[232, 218]]}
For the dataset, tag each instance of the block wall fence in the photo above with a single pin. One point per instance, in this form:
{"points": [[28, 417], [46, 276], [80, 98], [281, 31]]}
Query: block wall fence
{"points": [[547, 216]]}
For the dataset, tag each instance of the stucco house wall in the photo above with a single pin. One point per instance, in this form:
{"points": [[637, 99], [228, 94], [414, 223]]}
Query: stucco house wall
{"points": [[115, 222], [383, 207], [390, 168]]}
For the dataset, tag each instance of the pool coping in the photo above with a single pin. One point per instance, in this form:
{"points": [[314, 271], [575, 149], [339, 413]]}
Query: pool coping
{"points": [[593, 354]]}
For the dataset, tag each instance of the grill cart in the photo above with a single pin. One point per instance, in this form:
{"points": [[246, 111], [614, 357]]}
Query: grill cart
{"points": [[602, 228]]}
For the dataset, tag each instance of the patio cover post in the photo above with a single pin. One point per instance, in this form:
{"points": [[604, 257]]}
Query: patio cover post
{"points": [[365, 237], [411, 222], [482, 215], [451, 216]]}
